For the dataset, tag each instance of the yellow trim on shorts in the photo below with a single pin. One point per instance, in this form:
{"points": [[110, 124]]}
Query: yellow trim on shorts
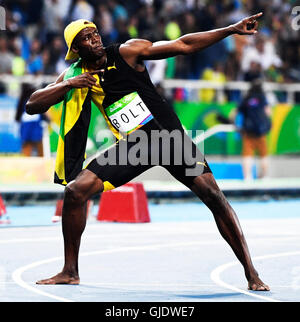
{"points": [[108, 186]]}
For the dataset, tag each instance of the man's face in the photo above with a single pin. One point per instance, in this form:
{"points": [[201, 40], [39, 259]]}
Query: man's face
{"points": [[88, 44]]}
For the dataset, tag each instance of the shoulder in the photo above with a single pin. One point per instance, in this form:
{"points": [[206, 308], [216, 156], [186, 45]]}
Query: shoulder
{"points": [[134, 47], [112, 49]]}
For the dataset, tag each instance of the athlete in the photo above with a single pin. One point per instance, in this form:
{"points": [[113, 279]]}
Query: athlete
{"points": [[117, 73]]}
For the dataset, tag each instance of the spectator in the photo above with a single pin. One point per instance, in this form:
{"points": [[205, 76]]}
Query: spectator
{"points": [[118, 11], [263, 53], [48, 68], [277, 52], [255, 114], [254, 72], [35, 61], [31, 130], [6, 57], [56, 52], [215, 75], [82, 10], [18, 63], [103, 20], [147, 23], [54, 15]]}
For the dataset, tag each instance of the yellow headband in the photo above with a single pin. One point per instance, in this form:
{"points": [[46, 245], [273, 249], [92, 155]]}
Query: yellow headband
{"points": [[71, 32]]}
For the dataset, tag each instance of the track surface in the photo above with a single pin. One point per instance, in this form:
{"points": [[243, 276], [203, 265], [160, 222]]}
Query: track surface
{"points": [[176, 261]]}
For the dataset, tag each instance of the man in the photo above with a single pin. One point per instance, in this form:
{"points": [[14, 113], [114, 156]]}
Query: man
{"points": [[109, 76], [31, 129], [256, 124]]}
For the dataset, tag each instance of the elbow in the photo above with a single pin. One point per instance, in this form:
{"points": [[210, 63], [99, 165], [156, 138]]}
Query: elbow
{"points": [[29, 108], [187, 49], [180, 47]]}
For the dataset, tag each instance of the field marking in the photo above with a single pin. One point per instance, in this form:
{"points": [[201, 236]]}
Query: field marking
{"points": [[215, 275], [90, 237], [17, 274]]}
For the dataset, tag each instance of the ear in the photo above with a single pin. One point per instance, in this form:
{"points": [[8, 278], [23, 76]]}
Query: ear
{"points": [[75, 49]]}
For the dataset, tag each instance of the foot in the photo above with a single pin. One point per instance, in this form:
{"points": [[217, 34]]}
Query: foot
{"points": [[255, 284], [61, 278]]}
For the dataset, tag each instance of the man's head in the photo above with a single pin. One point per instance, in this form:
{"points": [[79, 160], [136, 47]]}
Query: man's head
{"points": [[83, 40]]}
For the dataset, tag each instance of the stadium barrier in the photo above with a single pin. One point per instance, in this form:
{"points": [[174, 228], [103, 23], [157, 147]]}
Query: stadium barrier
{"points": [[193, 114], [289, 88]]}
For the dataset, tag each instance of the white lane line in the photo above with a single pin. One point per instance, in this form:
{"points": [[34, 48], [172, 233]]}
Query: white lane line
{"points": [[90, 237], [215, 275], [17, 274]]}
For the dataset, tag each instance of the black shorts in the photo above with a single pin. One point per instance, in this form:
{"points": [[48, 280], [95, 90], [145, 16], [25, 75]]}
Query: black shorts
{"points": [[132, 156]]}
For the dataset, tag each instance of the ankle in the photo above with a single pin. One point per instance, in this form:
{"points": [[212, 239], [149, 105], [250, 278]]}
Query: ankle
{"points": [[70, 271]]}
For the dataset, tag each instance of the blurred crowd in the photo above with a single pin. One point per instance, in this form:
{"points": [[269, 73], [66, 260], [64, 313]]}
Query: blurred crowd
{"points": [[33, 40]]}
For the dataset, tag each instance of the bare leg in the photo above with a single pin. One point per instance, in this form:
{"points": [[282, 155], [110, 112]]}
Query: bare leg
{"points": [[39, 148], [264, 164], [27, 149], [247, 167], [76, 195], [206, 188]]}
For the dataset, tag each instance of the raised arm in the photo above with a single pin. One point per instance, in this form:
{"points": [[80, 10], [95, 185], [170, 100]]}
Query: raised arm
{"points": [[136, 50]]}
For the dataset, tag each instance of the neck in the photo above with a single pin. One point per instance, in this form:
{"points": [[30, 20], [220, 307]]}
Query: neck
{"points": [[97, 64]]}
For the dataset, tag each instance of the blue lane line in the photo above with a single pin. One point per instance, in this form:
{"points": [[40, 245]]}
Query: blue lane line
{"points": [[244, 209], [176, 212]]}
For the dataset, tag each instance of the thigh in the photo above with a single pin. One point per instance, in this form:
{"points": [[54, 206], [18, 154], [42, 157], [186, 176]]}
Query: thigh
{"points": [[248, 147], [262, 146], [27, 149], [114, 168], [187, 174], [40, 148], [193, 163]]}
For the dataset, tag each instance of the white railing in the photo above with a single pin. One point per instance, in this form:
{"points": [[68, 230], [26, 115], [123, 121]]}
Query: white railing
{"points": [[242, 86], [289, 88], [32, 79]]}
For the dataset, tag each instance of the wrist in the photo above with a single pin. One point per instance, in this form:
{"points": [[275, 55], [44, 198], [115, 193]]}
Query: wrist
{"points": [[231, 30], [68, 83]]}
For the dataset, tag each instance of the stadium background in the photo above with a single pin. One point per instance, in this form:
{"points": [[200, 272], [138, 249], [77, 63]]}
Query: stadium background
{"points": [[179, 255], [204, 88]]}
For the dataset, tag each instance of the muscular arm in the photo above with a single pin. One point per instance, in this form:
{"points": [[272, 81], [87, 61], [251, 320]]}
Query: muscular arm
{"points": [[41, 100], [136, 50]]}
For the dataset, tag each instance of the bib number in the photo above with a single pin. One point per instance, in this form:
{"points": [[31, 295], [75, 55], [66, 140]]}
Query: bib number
{"points": [[129, 113]]}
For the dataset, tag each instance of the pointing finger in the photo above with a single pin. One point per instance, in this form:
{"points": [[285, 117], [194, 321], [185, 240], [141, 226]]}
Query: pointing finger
{"points": [[96, 72], [256, 16]]}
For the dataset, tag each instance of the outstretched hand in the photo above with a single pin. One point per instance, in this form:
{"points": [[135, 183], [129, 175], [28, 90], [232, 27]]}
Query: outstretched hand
{"points": [[247, 26]]}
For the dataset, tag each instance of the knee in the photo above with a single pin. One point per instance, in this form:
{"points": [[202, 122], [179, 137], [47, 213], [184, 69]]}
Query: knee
{"points": [[212, 196], [208, 192], [83, 187], [74, 193]]}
